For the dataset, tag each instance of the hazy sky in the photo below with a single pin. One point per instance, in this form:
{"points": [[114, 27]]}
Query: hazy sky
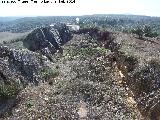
{"points": [[83, 7]]}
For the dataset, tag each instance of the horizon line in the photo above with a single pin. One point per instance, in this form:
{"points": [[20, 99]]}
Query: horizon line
{"points": [[127, 14]]}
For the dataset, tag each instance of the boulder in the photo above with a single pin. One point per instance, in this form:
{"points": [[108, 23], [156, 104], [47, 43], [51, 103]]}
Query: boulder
{"points": [[21, 64], [47, 40]]}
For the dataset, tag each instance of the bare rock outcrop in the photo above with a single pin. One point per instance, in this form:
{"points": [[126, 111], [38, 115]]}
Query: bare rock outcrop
{"points": [[19, 68], [47, 40]]}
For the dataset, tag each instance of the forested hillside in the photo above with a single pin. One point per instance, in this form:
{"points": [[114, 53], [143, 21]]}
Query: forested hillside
{"points": [[115, 22]]}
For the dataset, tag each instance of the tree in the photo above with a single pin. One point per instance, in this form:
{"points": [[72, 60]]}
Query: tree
{"points": [[147, 31], [154, 34], [144, 31], [138, 32]]}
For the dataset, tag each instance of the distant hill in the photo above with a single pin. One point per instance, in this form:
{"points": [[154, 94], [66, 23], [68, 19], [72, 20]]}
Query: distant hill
{"points": [[6, 19], [115, 22]]}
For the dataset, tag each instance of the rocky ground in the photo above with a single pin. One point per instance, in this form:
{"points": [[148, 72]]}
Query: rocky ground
{"points": [[99, 75]]}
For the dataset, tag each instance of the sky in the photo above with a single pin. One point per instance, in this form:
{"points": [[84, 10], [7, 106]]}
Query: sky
{"points": [[82, 7]]}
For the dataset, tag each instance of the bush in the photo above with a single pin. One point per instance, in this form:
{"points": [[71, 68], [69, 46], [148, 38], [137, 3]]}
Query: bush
{"points": [[144, 31], [138, 32], [48, 73], [8, 91]]}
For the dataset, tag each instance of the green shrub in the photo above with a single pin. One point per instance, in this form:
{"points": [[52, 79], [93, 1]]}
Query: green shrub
{"points": [[138, 32], [83, 52], [144, 31], [29, 103], [48, 73], [8, 91]]}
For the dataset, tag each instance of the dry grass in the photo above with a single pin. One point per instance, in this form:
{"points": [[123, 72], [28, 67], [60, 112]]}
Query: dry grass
{"points": [[8, 36]]}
